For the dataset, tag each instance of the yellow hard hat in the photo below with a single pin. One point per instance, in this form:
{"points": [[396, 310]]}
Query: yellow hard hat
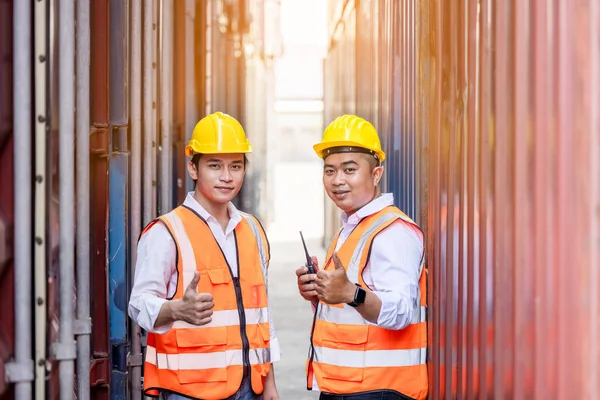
{"points": [[218, 133], [350, 133]]}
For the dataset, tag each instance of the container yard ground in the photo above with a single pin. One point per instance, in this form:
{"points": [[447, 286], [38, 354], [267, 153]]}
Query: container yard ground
{"points": [[292, 317]]}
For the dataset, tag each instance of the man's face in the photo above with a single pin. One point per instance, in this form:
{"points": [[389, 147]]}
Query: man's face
{"points": [[351, 179], [219, 177]]}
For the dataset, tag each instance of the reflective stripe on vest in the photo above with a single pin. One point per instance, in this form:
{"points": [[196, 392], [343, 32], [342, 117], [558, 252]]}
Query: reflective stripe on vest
{"points": [[199, 361], [353, 355], [207, 362]]}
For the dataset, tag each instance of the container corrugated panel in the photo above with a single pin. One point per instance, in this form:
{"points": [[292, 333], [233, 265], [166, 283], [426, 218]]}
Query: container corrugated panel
{"points": [[370, 71], [495, 145], [367, 60], [118, 187], [513, 109], [179, 103], [99, 141], [53, 250], [99, 199], [7, 327], [397, 128], [339, 78]]}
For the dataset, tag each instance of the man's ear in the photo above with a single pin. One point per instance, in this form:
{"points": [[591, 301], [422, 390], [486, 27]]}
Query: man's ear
{"points": [[377, 174], [192, 170]]}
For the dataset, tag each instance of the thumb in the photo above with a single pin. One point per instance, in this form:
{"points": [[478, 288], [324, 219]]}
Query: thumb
{"points": [[194, 283], [338, 262], [315, 262]]}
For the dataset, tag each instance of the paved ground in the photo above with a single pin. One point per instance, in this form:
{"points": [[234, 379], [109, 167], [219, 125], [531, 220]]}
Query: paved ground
{"points": [[292, 317]]}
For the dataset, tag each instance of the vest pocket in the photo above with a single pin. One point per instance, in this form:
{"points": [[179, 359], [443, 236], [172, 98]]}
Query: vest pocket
{"points": [[348, 337], [219, 284], [263, 336], [256, 294], [258, 335], [218, 275], [343, 351], [342, 374], [260, 346], [202, 355]]}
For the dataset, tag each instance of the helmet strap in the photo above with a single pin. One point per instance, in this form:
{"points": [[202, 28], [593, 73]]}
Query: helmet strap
{"points": [[349, 149]]}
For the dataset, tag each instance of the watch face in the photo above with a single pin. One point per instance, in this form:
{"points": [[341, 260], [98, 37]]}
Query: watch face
{"points": [[360, 295]]}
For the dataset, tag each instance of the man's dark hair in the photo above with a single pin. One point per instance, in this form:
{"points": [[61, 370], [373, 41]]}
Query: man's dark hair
{"points": [[373, 162]]}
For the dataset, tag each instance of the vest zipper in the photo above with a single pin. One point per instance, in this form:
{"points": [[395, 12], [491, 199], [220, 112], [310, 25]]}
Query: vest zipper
{"points": [[241, 310], [242, 314]]}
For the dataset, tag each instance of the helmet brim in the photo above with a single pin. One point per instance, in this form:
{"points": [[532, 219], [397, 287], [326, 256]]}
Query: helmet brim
{"points": [[321, 147], [190, 151]]}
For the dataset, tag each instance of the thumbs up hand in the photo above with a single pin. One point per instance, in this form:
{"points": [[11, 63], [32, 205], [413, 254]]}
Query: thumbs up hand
{"points": [[334, 287], [194, 308]]}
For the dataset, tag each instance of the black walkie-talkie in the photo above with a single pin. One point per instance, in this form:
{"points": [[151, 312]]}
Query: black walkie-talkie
{"points": [[309, 262]]}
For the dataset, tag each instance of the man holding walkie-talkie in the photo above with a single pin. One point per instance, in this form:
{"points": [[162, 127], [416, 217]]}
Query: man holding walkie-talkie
{"points": [[369, 336]]}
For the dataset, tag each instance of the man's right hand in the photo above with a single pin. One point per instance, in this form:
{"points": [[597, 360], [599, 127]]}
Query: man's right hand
{"points": [[306, 282], [194, 308]]}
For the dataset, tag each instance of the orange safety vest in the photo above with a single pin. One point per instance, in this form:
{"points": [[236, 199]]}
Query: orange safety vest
{"points": [[209, 361], [350, 355]]}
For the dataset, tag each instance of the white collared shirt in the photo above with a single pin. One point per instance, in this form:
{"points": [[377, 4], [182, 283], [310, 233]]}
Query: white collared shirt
{"points": [[156, 269], [394, 266]]}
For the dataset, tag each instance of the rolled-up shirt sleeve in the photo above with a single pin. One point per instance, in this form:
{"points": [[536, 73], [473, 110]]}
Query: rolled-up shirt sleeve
{"points": [[274, 345], [394, 269], [154, 268]]}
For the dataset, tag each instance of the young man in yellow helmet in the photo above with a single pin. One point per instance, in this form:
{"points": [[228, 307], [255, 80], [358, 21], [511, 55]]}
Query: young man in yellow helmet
{"points": [[369, 336], [200, 285]]}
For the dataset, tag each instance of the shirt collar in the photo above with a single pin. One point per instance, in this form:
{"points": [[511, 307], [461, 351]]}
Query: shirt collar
{"points": [[376, 205], [235, 217]]}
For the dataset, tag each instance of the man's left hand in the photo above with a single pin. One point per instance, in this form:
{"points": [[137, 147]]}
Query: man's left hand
{"points": [[334, 287], [270, 392], [270, 388]]}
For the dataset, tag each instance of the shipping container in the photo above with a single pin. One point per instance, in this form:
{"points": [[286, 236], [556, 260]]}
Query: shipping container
{"points": [[155, 69], [489, 113]]}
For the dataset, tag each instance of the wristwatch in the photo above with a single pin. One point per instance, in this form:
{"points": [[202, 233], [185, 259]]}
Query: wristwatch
{"points": [[359, 296]]}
